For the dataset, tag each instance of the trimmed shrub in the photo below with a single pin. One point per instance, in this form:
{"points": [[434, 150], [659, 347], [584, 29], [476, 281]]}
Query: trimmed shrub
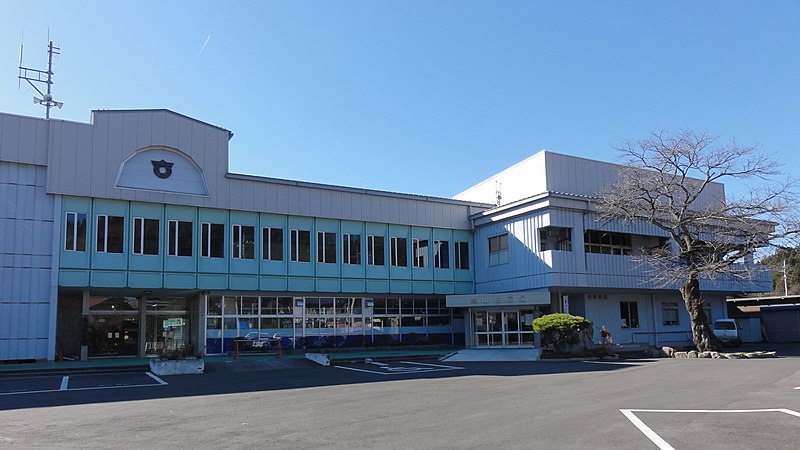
{"points": [[563, 332]]}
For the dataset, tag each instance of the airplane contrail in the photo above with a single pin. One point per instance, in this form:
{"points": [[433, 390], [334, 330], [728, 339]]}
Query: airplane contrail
{"points": [[204, 45]]}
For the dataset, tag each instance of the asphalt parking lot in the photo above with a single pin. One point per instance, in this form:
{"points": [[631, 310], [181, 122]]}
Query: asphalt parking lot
{"points": [[633, 404]]}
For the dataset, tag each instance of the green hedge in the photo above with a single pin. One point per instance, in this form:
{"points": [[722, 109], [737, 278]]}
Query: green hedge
{"points": [[560, 322], [561, 331]]}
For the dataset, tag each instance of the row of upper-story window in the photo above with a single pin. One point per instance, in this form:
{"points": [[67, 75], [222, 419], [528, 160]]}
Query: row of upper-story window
{"points": [[560, 239], [146, 239]]}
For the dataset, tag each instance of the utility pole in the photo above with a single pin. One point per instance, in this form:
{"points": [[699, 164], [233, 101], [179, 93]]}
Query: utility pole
{"points": [[42, 77], [785, 280]]}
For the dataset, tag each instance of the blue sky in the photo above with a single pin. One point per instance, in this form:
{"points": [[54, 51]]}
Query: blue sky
{"points": [[425, 97]]}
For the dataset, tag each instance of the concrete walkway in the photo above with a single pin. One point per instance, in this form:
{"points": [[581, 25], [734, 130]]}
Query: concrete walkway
{"points": [[501, 354]]}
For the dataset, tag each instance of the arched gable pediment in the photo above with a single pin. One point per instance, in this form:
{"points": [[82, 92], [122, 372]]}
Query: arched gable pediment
{"points": [[163, 169]]}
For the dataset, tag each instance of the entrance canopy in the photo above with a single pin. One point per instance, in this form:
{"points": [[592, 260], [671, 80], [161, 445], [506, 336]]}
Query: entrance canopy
{"points": [[518, 298]]}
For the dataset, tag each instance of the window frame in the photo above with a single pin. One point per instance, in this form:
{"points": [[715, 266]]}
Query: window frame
{"points": [[141, 229], [670, 306], [174, 237], [394, 251], [461, 257], [104, 248], [242, 244], [294, 245], [626, 310], [594, 241], [351, 248], [324, 251], [74, 238], [437, 254], [207, 235], [371, 249], [419, 253], [270, 251], [499, 255]]}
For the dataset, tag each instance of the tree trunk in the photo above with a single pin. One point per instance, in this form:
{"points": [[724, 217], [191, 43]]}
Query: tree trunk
{"points": [[702, 335]]}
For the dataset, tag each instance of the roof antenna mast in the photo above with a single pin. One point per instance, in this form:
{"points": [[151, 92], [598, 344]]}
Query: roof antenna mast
{"points": [[41, 77]]}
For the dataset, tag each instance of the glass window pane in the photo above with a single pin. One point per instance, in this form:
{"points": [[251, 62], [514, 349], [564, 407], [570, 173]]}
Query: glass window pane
{"points": [[185, 238], [249, 305], [379, 251], [304, 246], [231, 305], [442, 254], [325, 305], [99, 303], [217, 240], [402, 252], [151, 236], [172, 237], [81, 233], [205, 231], [158, 304], [285, 305], [276, 243], [214, 305], [69, 235], [379, 306], [269, 305], [248, 242], [392, 306], [330, 247]]}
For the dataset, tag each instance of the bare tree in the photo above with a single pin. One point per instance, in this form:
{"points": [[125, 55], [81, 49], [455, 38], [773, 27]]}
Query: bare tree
{"points": [[672, 181]]}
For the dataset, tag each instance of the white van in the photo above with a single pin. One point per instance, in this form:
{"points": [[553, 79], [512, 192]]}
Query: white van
{"points": [[727, 331]]}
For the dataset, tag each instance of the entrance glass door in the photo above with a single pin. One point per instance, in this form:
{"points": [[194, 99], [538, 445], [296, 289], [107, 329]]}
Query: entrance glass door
{"points": [[166, 325], [503, 328]]}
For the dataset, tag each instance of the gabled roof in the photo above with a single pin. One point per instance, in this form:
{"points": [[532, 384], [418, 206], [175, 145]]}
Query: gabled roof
{"points": [[183, 116]]}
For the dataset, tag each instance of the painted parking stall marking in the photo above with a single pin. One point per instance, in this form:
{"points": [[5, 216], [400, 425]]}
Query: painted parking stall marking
{"points": [[40, 385], [630, 414], [398, 368]]}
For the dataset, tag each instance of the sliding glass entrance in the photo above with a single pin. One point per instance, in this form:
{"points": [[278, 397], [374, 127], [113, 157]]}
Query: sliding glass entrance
{"points": [[503, 328]]}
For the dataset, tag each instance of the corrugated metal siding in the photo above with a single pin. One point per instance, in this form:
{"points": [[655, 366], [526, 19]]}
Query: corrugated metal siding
{"points": [[86, 159], [529, 268], [26, 230], [23, 139]]}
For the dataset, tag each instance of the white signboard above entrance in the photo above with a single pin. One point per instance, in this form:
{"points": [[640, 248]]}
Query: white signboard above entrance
{"points": [[506, 298]]}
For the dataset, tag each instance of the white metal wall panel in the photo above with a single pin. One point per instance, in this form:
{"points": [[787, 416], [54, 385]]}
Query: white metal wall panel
{"points": [[30, 150], [26, 231], [552, 172], [87, 157], [522, 180]]}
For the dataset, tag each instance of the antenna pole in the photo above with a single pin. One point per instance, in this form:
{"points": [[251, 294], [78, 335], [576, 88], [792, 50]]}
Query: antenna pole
{"points": [[42, 77], [49, 77]]}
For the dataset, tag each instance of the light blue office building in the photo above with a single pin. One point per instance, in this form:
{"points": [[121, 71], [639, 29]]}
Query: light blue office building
{"points": [[128, 235]]}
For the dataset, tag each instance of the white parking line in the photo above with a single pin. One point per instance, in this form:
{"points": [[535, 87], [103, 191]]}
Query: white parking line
{"points": [[386, 369], [434, 365], [65, 382], [662, 444], [153, 376], [362, 370], [798, 387]]}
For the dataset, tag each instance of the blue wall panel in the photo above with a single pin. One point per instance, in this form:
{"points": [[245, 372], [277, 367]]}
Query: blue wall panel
{"points": [[147, 280], [180, 281]]}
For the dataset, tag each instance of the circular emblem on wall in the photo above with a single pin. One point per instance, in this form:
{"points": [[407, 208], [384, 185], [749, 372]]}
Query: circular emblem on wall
{"points": [[162, 169]]}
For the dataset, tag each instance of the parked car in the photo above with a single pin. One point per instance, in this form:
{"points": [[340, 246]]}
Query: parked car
{"points": [[727, 332]]}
